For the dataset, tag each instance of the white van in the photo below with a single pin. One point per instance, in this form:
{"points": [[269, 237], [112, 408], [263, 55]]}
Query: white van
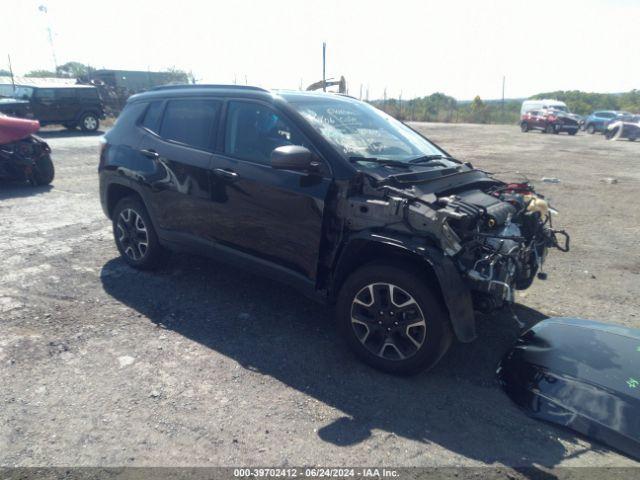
{"points": [[529, 105]]}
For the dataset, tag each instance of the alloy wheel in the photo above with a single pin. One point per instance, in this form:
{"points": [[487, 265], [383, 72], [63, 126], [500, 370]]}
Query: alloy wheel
{"points": [[132, 234], [90, 122], [388, 321]]}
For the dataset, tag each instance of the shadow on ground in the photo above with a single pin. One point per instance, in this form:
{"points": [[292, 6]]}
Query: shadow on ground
{"points": [[268, 328], [20, 189]]}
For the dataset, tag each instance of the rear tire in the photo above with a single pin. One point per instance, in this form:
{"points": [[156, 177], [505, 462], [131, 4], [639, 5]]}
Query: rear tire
{"points": [[591, 128], [524, 127], [89, 122], [572, 132], [413, 331], [135, 237], [43, 171], [549, 129]]}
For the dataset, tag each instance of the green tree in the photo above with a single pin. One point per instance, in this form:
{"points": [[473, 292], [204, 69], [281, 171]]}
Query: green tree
{"points": [[73, 70], [5, 73], [40, 73]]}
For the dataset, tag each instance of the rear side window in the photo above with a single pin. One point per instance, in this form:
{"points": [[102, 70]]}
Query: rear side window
{"points": [[192, 122], [65, 94], [87, 93], [45, 94], [151, 119]]}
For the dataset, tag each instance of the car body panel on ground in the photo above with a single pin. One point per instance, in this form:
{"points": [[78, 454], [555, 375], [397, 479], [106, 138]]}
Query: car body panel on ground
{"points": [[580, 374]]}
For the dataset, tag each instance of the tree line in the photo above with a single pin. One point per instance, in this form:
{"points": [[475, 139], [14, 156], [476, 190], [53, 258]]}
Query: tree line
{"points": [[80, 70], [439, 107]]}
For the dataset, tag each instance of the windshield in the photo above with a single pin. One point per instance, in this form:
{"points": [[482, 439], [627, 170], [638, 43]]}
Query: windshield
{"points": [[358, 130], [559, 107]]}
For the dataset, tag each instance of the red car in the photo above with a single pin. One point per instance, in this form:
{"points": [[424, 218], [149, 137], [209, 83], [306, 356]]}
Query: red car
{"points": [[23, 156], [549, 121]]}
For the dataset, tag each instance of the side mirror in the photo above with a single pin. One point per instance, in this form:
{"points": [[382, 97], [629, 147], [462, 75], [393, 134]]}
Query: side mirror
{"points": [[294, 157]]}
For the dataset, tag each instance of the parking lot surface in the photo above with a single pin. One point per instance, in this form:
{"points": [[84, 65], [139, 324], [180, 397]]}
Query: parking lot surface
{"points": [[203, 364]]}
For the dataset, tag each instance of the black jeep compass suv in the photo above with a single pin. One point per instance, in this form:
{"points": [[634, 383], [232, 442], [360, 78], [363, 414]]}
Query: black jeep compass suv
{"points": [[332, 196]]}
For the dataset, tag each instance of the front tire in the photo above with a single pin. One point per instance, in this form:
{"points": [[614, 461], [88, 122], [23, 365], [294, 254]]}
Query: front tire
{"points": [[591, 128], [43, 171], [89, 122], [572, 132], [392, 320], [135, 237], [524, 127]]}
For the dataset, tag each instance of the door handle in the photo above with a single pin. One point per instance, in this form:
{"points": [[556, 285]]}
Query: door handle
{"points": [[150, 154], [226, 173]]}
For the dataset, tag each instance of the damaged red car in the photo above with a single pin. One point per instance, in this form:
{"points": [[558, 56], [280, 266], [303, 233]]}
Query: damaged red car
{"points": [[24, 157], [335, 198]]}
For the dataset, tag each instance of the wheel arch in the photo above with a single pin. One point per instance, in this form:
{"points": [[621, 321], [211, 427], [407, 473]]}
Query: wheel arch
{"points": [[437, 270], [116, 192]]}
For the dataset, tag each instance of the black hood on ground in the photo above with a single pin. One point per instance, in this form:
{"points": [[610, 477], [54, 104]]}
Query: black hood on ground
{"points": [[580, 374]]}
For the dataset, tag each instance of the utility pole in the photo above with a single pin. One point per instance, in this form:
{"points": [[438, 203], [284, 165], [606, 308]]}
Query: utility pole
{"points": [[13, 83], [384, 98], [400, 106], [324, 66], [367, 97], [44, 10], [360, 97], [502, 114]]}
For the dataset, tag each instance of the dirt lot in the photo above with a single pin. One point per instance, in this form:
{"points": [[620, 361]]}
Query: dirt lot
{"points": [[202, 364]]}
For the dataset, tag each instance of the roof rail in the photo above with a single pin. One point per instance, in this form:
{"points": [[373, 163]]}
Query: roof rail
{"points": [[204, 85]]}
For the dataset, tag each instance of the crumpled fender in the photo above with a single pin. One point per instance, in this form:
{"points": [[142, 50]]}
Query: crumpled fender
{"points": [[455, 293]]}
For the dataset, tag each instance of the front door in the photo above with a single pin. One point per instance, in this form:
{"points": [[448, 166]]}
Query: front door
{"points": [[43, 105], [272, 214]]}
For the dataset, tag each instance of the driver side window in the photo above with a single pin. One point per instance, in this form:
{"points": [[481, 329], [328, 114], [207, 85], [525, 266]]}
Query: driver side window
{"points": [[253, 131]]}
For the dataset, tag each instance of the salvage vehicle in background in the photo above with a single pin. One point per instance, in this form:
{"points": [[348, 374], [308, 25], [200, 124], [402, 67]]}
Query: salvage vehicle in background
{"points": [[627, 127], [550, 120], [69, 105], [23, 156], [335, 198], [598, 121], [543, 104]]}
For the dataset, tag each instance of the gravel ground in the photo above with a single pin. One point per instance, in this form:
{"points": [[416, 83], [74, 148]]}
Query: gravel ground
{"points": [[202, 364]]}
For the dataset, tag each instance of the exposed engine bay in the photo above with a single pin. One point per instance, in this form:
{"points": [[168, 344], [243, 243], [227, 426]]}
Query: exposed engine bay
{"points": [[497, 233]]}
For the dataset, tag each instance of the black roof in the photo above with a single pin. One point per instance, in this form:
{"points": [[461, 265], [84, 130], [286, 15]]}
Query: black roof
{"points": [[235, 90]]}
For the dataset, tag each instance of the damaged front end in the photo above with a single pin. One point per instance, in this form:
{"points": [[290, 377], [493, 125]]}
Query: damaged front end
{"points": [[24, 157], [497, 234]]}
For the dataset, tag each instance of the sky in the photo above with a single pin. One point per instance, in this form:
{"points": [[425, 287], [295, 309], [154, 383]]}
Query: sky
{"points": [[410, 48]]}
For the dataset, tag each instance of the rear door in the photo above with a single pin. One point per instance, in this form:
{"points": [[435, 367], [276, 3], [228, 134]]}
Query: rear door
{"points": [[272, 214], [67, 104], [179, 138]]}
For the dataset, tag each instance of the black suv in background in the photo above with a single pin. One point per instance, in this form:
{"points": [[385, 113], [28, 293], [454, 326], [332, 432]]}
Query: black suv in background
{"points": [[69, 105], [331, 196]]}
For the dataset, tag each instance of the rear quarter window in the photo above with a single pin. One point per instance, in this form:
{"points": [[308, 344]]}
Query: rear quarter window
{"points": [[87, 93], [192, 122], [151, 120]]}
